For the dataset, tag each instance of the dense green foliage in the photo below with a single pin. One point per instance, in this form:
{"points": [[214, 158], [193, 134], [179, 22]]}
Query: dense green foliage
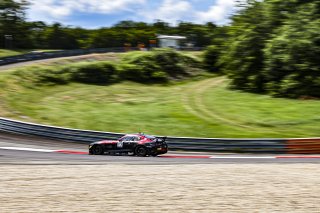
{"points": [[13, 28], [94, 73], [24, 34], [85, 72], [273, 47], [292, 57], [211, 57], [158, 66]]}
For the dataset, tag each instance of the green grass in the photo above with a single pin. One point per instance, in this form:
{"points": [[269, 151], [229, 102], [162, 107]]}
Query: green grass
{"points": [[201, 107], [7, 53], [195, 54]]}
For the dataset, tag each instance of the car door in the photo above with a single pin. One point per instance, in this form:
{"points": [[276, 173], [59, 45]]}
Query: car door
{"points": [[130, 142], [122, 143], [134, 141]]}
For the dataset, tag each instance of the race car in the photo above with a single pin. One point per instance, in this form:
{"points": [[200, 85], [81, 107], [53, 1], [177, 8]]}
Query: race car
{"points": [[136, 144]]}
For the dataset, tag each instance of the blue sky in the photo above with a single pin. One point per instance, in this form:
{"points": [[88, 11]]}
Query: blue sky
{"points": [[103, 13]]}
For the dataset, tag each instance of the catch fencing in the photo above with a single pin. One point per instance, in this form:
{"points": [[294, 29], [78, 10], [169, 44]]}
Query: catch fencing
{"points": [[292, 146]]}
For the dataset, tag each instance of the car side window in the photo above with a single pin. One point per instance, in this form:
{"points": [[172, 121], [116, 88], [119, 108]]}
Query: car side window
{"points": [[135, 138], [124, 139], [129, 138]]}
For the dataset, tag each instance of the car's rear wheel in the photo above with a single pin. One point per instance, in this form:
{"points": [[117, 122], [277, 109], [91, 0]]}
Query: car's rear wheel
{"points": [[141, 151], [97, 150]]}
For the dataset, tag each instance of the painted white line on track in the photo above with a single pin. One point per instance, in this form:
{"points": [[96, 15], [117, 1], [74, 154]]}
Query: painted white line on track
{"points": [[243, 157], [27, 149], [172, 156]]}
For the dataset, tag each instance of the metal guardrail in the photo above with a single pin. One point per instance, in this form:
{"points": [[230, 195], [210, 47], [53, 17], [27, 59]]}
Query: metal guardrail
{"points": [[175, 143]]}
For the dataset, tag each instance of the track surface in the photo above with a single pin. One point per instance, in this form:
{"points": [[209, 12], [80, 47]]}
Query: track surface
{"points": [[33, 151]]}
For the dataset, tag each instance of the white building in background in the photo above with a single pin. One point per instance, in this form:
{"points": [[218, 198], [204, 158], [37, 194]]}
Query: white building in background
{"points": [[170, 41]]}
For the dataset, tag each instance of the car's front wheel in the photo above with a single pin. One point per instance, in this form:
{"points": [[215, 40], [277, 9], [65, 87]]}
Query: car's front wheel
{"points": [[141, 151], [97, 150]]}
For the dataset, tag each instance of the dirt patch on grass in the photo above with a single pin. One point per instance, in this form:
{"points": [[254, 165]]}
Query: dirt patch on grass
{"points": [[156, 188]]}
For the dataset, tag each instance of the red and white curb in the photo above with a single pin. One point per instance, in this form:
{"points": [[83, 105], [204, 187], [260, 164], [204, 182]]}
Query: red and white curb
{"points": [[169, 155], [238, 157], [44, 150]]}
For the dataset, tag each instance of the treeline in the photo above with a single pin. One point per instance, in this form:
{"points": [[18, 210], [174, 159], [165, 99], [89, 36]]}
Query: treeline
{"points": [[16, 32], [273, 47]]}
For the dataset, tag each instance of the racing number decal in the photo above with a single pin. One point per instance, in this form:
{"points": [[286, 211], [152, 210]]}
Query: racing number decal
{"points": [[120, 144]]}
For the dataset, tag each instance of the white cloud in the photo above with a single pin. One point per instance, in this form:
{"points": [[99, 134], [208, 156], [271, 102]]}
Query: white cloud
{"points": [[174, 10], [60, 9], [169, 11], [139, 10], [218, 13]]}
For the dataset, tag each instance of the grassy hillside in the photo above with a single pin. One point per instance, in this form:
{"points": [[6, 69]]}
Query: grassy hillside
{"points": [[6, 53], [200, 105], [203, 108]]}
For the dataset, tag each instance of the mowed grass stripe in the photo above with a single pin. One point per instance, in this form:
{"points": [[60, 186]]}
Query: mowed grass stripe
{"points": [[197, 95], [285, 116]]}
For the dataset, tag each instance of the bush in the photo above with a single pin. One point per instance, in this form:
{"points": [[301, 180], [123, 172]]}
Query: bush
{"points": [[94, 73], [144, 73], [90, 73], [40, 75], [158, 66]]}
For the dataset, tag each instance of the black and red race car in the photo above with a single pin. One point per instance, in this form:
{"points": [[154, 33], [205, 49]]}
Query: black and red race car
{"points": [[136, 144]]}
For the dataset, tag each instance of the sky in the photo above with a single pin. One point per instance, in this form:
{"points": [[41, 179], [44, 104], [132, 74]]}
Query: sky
{"points": [[105, 13]]}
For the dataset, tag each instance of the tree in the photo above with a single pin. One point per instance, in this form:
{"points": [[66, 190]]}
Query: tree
{"points": [[279, 52], [131, 24], [211, 58], [13, 28], [37, 35], [292, 65], [242, 58], [59, 37]]}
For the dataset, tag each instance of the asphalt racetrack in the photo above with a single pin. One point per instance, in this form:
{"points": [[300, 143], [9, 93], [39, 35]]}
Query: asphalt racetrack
{"points": [[33, 178], [19, 149]]}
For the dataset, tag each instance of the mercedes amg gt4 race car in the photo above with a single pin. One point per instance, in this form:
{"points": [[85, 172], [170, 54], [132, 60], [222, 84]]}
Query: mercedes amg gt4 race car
{"points": [[136, 144]]}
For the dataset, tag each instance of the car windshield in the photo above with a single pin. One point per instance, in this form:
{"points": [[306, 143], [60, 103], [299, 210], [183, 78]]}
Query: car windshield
{"points": [[150, 136]]}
